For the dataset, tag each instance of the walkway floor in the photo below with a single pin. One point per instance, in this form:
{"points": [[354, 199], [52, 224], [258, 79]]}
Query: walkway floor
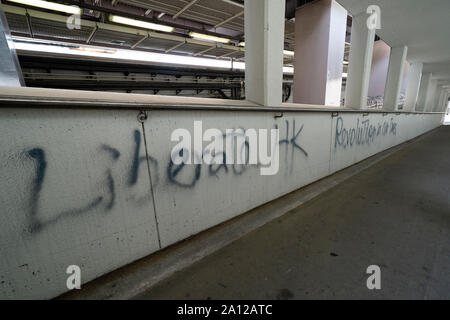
{"points": [[395, 214]]}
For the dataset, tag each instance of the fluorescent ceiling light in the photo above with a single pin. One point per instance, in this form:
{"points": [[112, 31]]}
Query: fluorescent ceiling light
{"points": [[344, 75], [119, 54], [241, 44], [140, 24], [345, 62], [234, 3], [62, 48], [208, 37], [49, 5]]}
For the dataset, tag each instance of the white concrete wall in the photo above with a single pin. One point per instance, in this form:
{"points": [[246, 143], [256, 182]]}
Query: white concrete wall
{"points": [[70, 195], [75, 186]]}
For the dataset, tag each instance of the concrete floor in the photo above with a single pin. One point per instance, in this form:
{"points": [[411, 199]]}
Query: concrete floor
{"points": [[395, 214]]}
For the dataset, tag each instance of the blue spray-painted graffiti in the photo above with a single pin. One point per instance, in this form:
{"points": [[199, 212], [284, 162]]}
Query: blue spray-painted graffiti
{"points": [[38, 155], [364, 133], [181, 175], [189, 181]]}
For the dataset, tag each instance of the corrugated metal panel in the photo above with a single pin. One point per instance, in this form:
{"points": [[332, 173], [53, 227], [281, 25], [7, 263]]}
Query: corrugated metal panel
{"points": [[170, 7], [218, 52], [157, 44], [189, 48], [17, 24], [115, 38], [203, 11], [53, 29]]}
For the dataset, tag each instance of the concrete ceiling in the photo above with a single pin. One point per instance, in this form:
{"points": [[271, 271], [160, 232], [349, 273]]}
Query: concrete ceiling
{"points": [[422, 25]]}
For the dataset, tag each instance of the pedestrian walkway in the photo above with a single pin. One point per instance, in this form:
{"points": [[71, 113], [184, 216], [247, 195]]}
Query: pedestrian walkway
{"points": [[395, 214]]}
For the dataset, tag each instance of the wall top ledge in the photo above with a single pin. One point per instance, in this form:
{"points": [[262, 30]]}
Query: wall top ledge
{"points": [[22, 97]]}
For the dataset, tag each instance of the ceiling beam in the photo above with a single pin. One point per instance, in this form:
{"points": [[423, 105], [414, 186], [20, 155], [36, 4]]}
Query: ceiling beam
{"points": [[92, 34], [175, 46], [187, 6], [226, 54], [140, 41], [204, 51], [229, 19]]}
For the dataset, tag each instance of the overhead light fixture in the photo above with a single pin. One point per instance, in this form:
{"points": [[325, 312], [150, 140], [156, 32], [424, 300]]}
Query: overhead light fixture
{"points": [[344, 75], [241, 44], [49, 5], [208, 37], [345, 62], [61, 48], [161, 15], [234, 3], [140, 24]]}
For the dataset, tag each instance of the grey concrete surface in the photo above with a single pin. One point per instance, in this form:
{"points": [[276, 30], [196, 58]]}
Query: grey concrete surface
{"points": [[395, 214]]}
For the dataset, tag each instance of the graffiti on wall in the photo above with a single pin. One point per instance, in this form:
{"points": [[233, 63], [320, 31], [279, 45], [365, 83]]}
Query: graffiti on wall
{"points": [[291, 142], [108, 201], [363, 133], [181, 175]]}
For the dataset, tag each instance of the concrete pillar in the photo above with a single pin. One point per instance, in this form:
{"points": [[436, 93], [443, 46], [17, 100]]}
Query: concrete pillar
{"points": [[360, 62], [438, 99], [394, 77], [423, 91], [379, 69], [413, 85], [264, 44], [10, 72], [320, 29], [429, 101], [443, 103]]}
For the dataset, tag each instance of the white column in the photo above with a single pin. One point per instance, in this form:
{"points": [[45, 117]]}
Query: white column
{"points": [[379, 69], [413, 85], [264, 43], [429, 101], [423, 92], [320, 29], [438, 99], [394, 79], [360, 62]]}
